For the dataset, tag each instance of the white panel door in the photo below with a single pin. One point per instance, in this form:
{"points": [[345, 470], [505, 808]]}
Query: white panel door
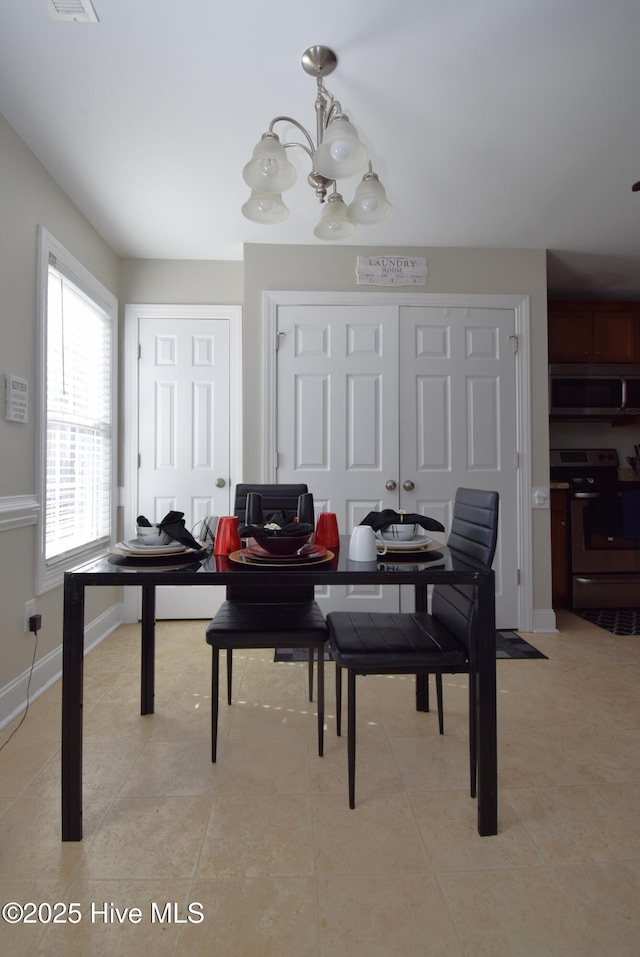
{"points": [[458, 422], [337, 422], [183, 441], [422, 396]]}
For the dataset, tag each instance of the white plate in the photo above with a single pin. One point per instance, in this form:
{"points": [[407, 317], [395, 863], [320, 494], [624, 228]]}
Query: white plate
{"points": [[420, 541], [134, 547]]}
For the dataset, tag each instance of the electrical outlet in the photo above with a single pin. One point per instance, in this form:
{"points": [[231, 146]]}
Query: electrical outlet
{"points": [[29, 610]]}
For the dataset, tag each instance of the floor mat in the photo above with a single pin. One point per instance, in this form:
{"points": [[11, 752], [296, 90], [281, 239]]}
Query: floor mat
{"points": [[511, 645], [625, 621], [508, 645]]}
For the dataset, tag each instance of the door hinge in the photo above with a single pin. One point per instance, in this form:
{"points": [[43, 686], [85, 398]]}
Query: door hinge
{"points": [[518, 576], [516, 460], [139, 460], [514, 342], [139, 351], [277, 460], [279, 336]]}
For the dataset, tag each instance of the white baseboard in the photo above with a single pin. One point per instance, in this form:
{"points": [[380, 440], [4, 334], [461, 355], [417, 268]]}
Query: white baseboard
{"points": [[47, 670], [544, 621]]}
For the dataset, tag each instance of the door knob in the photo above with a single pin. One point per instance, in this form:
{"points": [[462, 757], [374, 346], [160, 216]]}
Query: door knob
{"points": [[408, 486], [220, 483], [390, 486]]}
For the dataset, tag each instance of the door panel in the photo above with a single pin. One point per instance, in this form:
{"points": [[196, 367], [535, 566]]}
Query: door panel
{"points": [[338, 417], [183, 379], [458, 421]]}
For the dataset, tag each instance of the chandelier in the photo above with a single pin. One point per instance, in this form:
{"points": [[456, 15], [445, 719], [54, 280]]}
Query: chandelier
{"points": [[337, 152]]}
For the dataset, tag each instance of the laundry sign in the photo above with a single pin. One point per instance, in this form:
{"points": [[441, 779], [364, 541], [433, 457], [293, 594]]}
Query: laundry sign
{"points": [[391, 270]]}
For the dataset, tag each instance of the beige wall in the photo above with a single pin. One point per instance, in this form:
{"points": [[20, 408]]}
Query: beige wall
{"points": [[185, 282], [29, 197], [464, 271]]}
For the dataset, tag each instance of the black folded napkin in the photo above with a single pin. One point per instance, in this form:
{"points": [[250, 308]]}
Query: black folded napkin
{"points": [[259, 531], [381, 520], [173, 524]]}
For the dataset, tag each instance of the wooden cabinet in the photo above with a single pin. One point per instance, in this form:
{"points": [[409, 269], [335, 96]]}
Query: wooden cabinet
{"points": [[559, 547], [594, 332]]}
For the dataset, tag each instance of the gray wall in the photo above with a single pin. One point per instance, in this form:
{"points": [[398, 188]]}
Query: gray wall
{"points": [[29, 197]]}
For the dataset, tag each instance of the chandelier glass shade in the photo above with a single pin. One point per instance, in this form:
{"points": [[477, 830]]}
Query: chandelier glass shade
{"points": [[266, 208], [269, 170], [334, 220], [370, 203], [341, 152], [336, 152]]}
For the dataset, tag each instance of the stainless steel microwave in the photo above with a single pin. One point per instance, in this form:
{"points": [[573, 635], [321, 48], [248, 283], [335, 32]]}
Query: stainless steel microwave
{"points": [[596, 393]]}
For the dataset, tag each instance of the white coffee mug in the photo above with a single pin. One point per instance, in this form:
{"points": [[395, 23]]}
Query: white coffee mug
{"points": [[363, 544]]}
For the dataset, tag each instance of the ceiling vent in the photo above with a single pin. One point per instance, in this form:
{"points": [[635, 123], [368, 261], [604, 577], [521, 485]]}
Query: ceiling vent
{"points": [[78, 10]]}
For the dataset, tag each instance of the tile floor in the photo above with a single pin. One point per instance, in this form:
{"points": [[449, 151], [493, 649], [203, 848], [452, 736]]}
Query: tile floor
{"points": [[263, 845]]}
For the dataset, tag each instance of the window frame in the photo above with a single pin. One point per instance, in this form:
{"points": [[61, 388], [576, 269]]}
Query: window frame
{"points": [[51, 574]]}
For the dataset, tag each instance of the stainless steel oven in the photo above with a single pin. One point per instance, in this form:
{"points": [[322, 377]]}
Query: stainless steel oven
{"points": [[604, 551]]}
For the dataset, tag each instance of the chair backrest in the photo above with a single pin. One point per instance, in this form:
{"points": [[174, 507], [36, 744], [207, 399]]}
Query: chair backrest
{"points": [[474, 527], [472, 541], [275, 498]]}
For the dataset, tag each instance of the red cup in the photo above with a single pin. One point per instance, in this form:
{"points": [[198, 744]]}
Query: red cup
{"points": [[327, 533], [227, 536]]}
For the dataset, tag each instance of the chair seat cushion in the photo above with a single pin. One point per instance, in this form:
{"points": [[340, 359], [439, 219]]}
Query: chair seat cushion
{"points": [[400, 643], [267, 625]]}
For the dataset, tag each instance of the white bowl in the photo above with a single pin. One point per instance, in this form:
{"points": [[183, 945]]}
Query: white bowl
{"points": [[403, 532], [152, 535]]}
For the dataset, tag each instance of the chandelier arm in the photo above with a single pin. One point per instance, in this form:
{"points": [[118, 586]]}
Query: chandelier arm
{"points": [[301, 146], [289, 119]]}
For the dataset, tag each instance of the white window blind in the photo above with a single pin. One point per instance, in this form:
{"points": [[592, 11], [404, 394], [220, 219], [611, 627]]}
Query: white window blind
{"points": [[78, 456], [77, 432]]}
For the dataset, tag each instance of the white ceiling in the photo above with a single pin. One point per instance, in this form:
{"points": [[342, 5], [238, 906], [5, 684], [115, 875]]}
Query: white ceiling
{"points": [[495, 123]]}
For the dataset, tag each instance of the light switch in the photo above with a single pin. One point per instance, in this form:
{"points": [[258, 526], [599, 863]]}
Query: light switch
{"points": [[540, 498]]}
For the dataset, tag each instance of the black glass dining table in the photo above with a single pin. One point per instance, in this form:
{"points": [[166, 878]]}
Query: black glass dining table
{"points": [[437, 566]]}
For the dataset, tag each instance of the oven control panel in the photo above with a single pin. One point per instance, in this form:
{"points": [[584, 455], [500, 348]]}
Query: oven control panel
{"points": [[584, 458]]}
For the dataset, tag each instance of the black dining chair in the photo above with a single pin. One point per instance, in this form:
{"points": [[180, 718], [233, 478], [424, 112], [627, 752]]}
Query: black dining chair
{"points": [[255, 617], [443, 642]]}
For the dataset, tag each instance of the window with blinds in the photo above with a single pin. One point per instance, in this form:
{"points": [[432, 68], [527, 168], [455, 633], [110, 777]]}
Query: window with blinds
{"points": [[77, 415]]}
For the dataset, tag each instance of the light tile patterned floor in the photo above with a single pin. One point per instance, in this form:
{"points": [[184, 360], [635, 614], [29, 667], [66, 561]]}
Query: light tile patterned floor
{"points": [[263, 844]]}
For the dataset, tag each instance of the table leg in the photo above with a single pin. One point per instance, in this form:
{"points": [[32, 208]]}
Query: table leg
{"points": [[72, 675], [422, 681], [487, 709], [148, 630]]}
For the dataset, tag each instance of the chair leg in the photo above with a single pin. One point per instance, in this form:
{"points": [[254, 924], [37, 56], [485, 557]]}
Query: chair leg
{"points": [[351, 735], [422, 692], [320, 700], [229, 673], [473, 733], [311, 672], [440, 707], [338, 699], [215, 669]]}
